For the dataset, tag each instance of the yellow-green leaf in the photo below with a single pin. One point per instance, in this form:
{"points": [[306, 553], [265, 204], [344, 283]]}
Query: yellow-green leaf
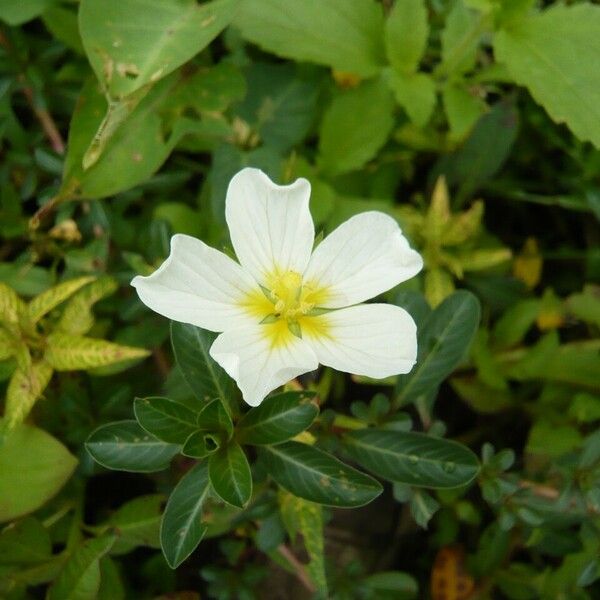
{"points": [[10, 304], [24, 389], [77, 317], [484, 259], [464, 225], [438, 215], [70, 352], [438, 285], [7, 347], [51, 298], [306, 518]]}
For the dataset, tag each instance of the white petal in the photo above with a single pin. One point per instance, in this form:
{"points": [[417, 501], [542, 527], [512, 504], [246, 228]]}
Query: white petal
{"points": [[376, 340], [259, 366], [363, 257], [270, 225], [199, 285]]}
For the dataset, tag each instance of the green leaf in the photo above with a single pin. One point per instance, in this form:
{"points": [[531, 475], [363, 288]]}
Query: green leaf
{"points": [[460, 40], [230, 474], [165, 419], [11, 306], [137, 523], [181, 528], [130, 45], [554, 54], [415, 93], [63, 25], [25, 542], [80, 577], [24, 389], [125, 446], [314, 475], [463, 109], [77, 317], [204, 376], [214, 418], [111, 581], [51, 298], [344, 35], [278, 418], [67, 352], [306, 518], [422, 507], [443, 342], [347, 143], [406, 31], [412, 458], [33, 468], [393, 585], [201, 444], [17, 12]]}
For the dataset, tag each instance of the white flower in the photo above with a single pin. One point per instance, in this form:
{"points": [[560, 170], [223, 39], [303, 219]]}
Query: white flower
{"points": [[286, 308]]}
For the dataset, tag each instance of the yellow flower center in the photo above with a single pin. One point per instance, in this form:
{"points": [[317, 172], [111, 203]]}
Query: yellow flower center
{"points": [[288, 306]]}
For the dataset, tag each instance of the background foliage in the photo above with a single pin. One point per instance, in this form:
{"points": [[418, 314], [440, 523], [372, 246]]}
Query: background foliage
{"points": [[475, 123]]}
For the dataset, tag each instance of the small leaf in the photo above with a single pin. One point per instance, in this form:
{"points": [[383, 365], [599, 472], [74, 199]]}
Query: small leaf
{"points": [[459, 44], [204, 376], [347, 143], [51, 298], [70, 353], [317, 476], [25, 542], [24, 388], [125, 446], [201, 444], [7, 344], [443, 342], [215, 418], [33, 467], [230, 475], [415, 92], [137, 523], [412, 458], [181, 528], [165, 419], [80, 577], [278, 419], [406, 31], [77, 318], [11, 306]]}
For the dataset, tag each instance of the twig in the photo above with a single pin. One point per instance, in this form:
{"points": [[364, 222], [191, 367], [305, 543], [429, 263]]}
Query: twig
{"points": [[299, 568]]}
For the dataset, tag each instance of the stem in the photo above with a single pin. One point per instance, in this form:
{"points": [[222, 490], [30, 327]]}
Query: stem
{"points": [[299, 568]]}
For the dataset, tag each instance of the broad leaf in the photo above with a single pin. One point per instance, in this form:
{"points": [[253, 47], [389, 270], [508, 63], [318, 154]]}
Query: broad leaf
{"points": [[70, 352], [406, 31], [125, 446], [215, 418], [33, 467], [412, 458], [16, 12], [51, 298], [278, 418], [169, 421], [181, 528], [201, 444], [554, 54], [130, 47], [314, 475], [443, 342], [205, 377], [230, 475], [347, 143], [80, 577], [341, 34]]}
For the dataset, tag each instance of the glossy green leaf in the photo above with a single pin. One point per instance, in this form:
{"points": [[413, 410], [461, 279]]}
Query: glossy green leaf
{"points": [[130, 45], [443, 342], [317, 476], [165, 419], [230, 474], [80, 577], [201, 444], [125, 446], [347, 143], [214, 418], [204, 376], [406, 31], [278, 418], [181, 528], [554, 54], [343, 35], [412, 458], [34, 466]]}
